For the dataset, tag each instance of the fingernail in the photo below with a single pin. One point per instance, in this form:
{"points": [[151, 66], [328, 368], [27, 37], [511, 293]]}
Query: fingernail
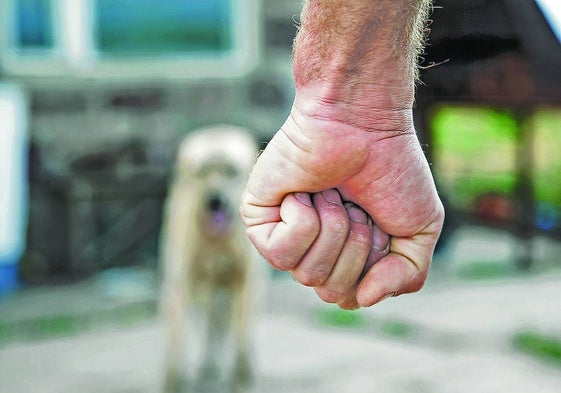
{"points": [[357, 214], [332, 196], [388, 295], [380, 239], [391, 294], [304, 198], [366, 301]]}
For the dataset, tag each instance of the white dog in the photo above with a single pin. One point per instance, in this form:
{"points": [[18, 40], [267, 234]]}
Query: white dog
{"points": [[209, 264]]}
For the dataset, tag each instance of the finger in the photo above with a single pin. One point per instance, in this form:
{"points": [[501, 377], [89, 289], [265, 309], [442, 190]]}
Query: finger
{"points": [[351, 260], [403, 270], [284, 241], [346, 301], [318, 262], [349, 302], [380, 247]]}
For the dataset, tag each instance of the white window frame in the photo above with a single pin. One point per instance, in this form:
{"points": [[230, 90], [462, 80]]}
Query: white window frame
{"points": [[74, 53]]}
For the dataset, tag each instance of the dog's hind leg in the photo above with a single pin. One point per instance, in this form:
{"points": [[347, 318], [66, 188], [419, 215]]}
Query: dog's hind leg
{"points": [[177, 251]]}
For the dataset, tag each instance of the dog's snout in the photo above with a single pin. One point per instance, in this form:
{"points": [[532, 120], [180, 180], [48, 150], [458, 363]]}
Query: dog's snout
{"points": [[215, 203]]}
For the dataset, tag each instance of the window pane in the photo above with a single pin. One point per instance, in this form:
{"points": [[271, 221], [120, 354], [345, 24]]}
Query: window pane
{"points": [[34, 27], [163, 27]]}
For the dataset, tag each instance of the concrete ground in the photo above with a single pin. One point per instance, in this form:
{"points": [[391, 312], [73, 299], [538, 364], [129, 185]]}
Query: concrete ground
{"points": [[454, 336]]}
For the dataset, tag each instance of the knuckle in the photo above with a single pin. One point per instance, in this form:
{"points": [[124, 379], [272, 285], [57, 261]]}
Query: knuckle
{"points": [[349, 305], [281, 262], [416, 283], [242, 213], [439, 215], [311, 276], [310, 228], [329, 296], [338, 226], [361, 240]]}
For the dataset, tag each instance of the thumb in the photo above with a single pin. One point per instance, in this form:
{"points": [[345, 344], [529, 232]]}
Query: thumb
{"points": [[276, 207], [282, 233]]}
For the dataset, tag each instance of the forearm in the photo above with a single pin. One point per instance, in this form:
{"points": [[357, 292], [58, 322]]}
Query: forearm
{"points": [[359, 54]]}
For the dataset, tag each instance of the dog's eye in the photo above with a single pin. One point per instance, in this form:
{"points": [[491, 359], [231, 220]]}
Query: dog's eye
{"points": [[231, 171], [217, 168], [203, 171]]}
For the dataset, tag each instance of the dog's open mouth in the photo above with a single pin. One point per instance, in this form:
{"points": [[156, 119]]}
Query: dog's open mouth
{"points": [[218, 216]]}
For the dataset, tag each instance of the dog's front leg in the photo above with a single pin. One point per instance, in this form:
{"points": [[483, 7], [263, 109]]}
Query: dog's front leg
{"points": [[243, 370], [174, 308]]}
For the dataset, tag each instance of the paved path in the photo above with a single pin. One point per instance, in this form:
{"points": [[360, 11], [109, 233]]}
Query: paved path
{"points": [[457, 340]]}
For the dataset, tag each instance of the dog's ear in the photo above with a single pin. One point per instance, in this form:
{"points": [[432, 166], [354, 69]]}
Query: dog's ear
{"points": [[184, 159]]}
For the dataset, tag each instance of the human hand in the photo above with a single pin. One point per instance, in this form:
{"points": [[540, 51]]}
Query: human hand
{"points": [[323, 242], [351, 246]]}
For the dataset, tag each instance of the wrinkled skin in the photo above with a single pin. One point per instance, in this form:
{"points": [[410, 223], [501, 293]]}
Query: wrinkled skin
{"points": [[332, 246]]}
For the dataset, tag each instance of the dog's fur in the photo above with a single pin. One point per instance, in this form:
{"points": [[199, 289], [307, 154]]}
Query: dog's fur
{"points": [[206, 256]]}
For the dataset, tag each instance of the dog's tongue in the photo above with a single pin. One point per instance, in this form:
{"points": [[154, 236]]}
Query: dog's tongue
{"points": [[219, 221]]}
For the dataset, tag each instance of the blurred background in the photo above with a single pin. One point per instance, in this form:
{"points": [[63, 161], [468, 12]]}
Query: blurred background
{"points": [[95, 96]]}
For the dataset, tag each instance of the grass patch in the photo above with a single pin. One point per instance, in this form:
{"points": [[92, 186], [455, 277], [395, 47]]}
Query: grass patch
{"points": [[396, 329], [65, 325], [486, 270], [337, 317], [7, 332], [539, 345], [354, 319], [59, 325]]}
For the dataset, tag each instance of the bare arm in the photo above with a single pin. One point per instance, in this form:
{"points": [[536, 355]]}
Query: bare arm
{"points": [[354, 48], [350, 129]]}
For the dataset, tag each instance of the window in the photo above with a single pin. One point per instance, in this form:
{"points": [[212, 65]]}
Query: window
{"points": [[160, 27], [33, 27], [127, 39]]}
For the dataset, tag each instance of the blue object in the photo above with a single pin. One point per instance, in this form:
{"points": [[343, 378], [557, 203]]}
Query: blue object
{"points": [[8, 276], [13, 182]]}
